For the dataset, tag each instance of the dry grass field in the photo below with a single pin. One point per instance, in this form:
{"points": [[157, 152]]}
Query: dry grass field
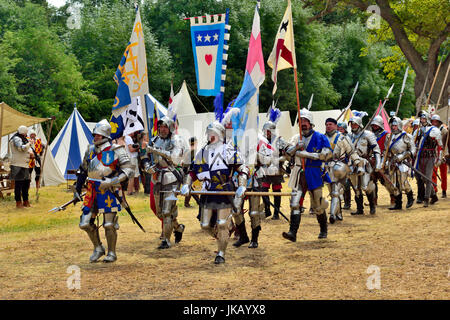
{"points": [[409, 249]]}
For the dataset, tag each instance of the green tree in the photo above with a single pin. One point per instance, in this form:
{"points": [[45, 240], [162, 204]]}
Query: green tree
{"points": [[166, 19], [100, 43], [420, 29], [48, 79]]}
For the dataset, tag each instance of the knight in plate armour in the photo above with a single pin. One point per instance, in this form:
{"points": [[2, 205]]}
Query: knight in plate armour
{"points": [[401, 149], [166, 152], [429, 156], [308, 174], [214, 165], [338, 167], [270, 160], [366, 146], [105, 167]]}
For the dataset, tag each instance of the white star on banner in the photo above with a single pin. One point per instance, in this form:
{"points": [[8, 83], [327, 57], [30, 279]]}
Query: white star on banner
{"points": [[216, 37], [207, 38], [199, 38]]}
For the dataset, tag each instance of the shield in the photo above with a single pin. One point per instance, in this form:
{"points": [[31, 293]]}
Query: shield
{"points": [[107, 157]]}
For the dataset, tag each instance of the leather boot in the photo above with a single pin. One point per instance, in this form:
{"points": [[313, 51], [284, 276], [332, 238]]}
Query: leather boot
{"points": [[347, 199], [444, 194], [372, 203], [433, 200], [255, 234], [393, 201], [322, 219], [26, 204], [293, 227], [398, 203], [420, 192], [277, 203], [426, 202], [359, 205], [19, 205], [410, 198], [243, 237], [266, 206], [179, 233]]}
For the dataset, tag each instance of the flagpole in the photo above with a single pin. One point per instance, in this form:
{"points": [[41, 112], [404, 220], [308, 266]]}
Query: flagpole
{"points": [[298, 110]]}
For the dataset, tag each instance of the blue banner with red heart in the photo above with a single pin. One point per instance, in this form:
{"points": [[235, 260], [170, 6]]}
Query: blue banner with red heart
{"points": [[209, 36]]}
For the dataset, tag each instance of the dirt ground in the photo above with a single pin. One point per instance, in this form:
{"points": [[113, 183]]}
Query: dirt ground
{"points": [[390, 255]]}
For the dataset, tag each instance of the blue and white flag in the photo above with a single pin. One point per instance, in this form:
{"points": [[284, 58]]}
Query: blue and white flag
{"points": [[245, 125], [209, 37]]}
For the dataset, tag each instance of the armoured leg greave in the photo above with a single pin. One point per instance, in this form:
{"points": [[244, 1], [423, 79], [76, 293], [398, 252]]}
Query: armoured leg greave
{"points": [[223, 229], [87, 224], [110, 225]]}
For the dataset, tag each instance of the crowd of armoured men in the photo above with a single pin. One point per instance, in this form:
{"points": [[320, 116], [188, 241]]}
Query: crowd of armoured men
{"points": [[341, 159]]}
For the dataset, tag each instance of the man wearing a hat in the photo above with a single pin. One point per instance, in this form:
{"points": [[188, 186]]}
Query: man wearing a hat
{"points": [[20, 156]]}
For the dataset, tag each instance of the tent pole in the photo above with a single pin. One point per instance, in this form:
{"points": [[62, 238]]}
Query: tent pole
{"points": [[1, 125], [43, 160]]}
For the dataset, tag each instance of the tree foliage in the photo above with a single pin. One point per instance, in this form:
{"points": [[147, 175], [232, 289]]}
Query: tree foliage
{"points": [[46, 66]]}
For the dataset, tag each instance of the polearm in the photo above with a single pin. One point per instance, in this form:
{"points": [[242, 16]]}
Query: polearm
{"points": [[434, 81], [419, 173], [232, 193], [396, 112], [64, 206], [350, 103], [373, 116], [45, 155], [310, 102]]}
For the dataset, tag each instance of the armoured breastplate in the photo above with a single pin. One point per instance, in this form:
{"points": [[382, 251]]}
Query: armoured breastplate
{"points": [[342, 148], [306, 140], [362, 146], [100, 161], [163, 144], [400, 146]]}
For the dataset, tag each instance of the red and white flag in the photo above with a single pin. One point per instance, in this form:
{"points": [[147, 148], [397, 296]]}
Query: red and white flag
{"points": [[283, 52], [171, 94]]}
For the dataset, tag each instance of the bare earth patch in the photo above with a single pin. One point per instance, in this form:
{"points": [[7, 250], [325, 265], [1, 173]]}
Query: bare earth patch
{"points": [[409, 249]]}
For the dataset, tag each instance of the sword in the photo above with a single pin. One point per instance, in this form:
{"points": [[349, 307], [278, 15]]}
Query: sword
{"points": [[279, 211], [419, 173], [124, 203], [64, 206]]}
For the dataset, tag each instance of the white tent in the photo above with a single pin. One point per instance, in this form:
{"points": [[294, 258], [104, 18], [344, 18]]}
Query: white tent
{"points": [[71, 143], [182, 102], [51, 175]]}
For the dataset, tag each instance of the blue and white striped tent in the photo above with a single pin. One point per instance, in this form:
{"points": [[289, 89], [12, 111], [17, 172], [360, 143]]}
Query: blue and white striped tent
{"points": [[70, 144]]}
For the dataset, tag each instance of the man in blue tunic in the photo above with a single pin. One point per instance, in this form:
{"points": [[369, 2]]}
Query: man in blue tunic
{"points": [[310, 152]]}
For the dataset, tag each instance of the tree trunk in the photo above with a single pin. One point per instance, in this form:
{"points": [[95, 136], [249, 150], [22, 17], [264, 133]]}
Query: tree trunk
{"points": [[419, 83]]}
